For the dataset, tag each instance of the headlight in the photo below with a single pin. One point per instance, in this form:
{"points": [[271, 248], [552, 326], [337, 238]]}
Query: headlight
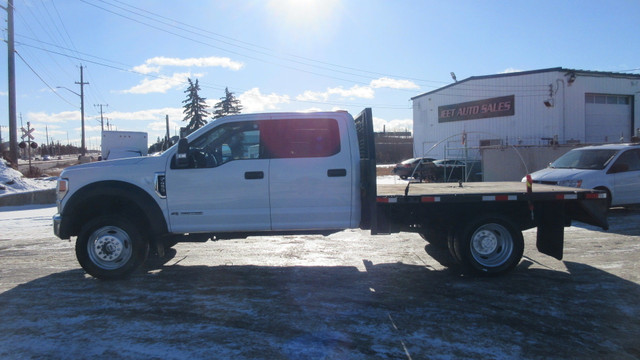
{"points": [[570, 183]]}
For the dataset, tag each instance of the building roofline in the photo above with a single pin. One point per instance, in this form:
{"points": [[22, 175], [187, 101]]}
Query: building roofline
{"points": [[520, 73]]}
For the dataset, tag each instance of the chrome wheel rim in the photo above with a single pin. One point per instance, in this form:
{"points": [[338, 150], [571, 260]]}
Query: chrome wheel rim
{"points": [[491, 245], [109, 247]]}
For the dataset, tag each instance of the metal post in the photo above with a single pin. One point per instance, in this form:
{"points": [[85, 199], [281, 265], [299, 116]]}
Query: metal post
{"points": [[167, 140], [13, 128], [83, 149], [29, 146]]}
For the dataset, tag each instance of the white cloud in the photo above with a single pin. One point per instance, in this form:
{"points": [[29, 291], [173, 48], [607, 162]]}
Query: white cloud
{"points": [[161, 85], [61, 117], [161, 126], [254, 101], [357, 91], [92, 128], [146, 69], [380, 124], [155, 64], [147, 115], [386, 82], [311, 96]]}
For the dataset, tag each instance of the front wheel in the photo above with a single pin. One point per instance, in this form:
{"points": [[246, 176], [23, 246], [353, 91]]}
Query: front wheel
{"points": [[490, 245], [110, 247]]}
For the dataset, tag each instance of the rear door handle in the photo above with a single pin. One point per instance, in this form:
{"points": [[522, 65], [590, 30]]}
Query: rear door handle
{"points": [[336, 172], [254, 175]]}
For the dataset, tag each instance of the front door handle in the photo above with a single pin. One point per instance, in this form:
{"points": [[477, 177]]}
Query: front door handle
{"points": [[336, 172], [254, 175]]}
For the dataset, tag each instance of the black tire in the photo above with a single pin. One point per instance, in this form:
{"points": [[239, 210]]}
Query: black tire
{"points": [[403, 177], [111, 247], [490, 245]]}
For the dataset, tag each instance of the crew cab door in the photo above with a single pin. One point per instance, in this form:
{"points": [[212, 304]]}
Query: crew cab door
{"points": [[310, 173], [225, 184]]}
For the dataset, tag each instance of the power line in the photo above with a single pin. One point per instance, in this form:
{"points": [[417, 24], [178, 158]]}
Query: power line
{"points": [[498, 88], [41, 79], [461, 93], [234, 42]]}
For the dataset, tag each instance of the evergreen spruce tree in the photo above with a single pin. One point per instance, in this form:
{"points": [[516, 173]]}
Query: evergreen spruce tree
{"points": [[194, 108], [228, 105]]}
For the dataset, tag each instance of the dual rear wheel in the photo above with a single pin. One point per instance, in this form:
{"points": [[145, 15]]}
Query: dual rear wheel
{"points": [[488, 245]]}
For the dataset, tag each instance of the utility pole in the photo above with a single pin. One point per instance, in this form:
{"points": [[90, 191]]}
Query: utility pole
{"points": [[101, 117], [83, 149], [13, 128], [167, 140]]}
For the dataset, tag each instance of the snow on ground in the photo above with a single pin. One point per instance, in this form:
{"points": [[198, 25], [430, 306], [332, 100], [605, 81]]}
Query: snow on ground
{"points": [[390, 179], [12, 181]]}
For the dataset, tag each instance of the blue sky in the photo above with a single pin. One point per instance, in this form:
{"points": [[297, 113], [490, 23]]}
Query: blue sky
{"points": [[288, 55]]}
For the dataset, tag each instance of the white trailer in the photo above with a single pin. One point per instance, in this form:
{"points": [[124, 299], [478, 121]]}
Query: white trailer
{"points": [[123, 144]]}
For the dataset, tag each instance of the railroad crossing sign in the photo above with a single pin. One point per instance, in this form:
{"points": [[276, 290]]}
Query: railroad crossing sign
{"points": [[27, 133]]}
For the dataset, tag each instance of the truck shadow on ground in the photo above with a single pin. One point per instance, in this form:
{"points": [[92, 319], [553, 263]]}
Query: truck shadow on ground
{"points": [[388, 311]]}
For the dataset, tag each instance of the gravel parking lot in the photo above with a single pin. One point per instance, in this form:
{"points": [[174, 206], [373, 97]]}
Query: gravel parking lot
{"points": [[346, 296]]}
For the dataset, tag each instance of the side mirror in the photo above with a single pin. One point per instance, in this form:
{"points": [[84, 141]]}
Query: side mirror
{"points": [[182, 161]]}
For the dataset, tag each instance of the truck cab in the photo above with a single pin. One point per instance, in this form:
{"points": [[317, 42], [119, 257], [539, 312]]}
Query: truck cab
{"points": [[238, 175]]}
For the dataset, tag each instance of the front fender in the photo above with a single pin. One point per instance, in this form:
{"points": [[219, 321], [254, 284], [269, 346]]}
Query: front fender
{"points": [[106, 197]]}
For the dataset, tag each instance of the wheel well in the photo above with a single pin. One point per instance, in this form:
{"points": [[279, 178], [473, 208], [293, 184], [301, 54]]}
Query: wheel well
{"points": [[112, 197], [604, 188]]}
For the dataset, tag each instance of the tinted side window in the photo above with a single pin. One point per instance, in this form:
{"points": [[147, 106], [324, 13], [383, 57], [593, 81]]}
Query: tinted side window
{"points": [[630, 160], [299, 138]]}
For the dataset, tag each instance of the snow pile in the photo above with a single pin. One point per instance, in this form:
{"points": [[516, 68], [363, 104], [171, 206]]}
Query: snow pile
{"points": [[12, 181]]}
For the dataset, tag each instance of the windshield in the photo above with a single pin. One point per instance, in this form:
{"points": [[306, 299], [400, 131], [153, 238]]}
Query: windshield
{"points": [[593, 159]]}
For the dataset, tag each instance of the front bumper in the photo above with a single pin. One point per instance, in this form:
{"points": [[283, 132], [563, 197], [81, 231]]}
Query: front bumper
{"points": [[57, 222]]}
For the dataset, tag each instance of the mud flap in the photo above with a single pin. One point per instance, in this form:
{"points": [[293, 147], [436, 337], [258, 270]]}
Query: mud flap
{"points": [[551, 221]]}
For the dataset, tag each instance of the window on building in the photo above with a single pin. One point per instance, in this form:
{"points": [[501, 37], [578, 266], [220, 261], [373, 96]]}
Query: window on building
{"points": [[607, 99]]}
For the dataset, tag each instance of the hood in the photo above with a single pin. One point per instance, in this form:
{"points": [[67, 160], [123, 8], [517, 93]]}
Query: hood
{"points": [[119, 165], [551, 174]]}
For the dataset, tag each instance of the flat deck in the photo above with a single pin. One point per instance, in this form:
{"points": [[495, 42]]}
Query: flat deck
{"points": [[471, 188]]}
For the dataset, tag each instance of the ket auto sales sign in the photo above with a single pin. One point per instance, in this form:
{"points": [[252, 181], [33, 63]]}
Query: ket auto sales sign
{"points": [[481, 109]]}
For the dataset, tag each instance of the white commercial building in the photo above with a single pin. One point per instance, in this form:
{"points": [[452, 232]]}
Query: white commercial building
{"points": [[542, 107]]}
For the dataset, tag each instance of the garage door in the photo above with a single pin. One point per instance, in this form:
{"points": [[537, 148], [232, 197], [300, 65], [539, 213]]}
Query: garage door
{"points": [[608, 118]]}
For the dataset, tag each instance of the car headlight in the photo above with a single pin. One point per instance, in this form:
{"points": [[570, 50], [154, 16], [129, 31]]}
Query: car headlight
{"points": [[570, 183]]}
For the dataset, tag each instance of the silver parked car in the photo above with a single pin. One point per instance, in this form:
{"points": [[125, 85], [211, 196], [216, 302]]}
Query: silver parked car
{"points": [[614, 168]]}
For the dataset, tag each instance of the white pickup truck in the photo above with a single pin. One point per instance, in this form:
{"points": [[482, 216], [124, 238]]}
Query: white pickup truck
{"points": [[286, 173]]}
